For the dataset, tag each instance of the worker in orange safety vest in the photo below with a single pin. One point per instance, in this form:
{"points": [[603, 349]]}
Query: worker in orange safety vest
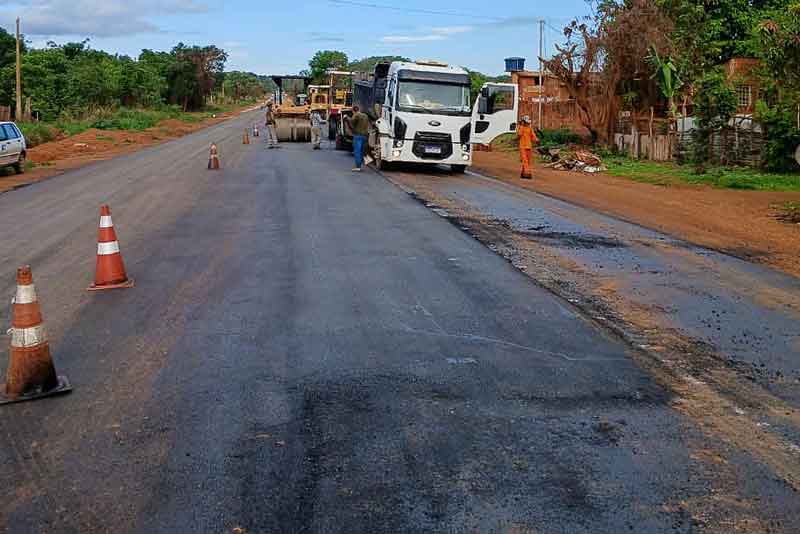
{"points": [[526, 141]]}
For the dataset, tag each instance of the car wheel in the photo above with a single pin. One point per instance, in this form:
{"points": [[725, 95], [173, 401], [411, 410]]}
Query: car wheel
{"points": [[19, 166]]}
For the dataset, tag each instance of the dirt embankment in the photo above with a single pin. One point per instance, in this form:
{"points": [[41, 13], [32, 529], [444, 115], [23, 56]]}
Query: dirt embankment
{"points": [[74, 151], [741, 223]]}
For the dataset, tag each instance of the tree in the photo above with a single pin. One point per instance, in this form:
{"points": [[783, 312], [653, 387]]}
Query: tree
{"points": [[367, 64], [666, 73], [605, 53], [192, 76], [710, 33], [324, 60], [714, 104]]}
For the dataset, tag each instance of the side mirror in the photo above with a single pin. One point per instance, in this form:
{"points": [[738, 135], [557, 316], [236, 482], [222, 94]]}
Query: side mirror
{"points": [[378, 110], [485, 92], [483, 105]]}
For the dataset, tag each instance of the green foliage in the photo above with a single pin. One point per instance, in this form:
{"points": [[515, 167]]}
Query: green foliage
{"points": [[666, 73], [73, 80], [37, 133], [783, 135], [559, 137], [666, 174], [324, 60], [778, 39], [711, 33], [367, 64], [246, 85], [714, 105], [477, 79]]}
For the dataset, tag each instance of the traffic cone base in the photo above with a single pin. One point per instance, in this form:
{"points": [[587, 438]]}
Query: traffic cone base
{"points": [[31, 374], [63, 386], [127, 283]]}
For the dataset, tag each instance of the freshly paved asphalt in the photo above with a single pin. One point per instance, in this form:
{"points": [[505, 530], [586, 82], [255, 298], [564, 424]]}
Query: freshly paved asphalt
{"points": [[310, 350]]}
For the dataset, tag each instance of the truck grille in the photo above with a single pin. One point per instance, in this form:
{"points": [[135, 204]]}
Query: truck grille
{"points": [[432, 145]]}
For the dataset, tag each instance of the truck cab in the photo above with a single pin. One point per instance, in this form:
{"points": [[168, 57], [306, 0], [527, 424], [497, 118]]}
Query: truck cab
{"points": [[422, 113]]}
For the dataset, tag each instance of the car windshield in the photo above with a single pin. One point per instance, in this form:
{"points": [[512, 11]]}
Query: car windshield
{"points": [[428, 97]]}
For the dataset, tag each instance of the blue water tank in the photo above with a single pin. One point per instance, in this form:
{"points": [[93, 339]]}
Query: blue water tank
{"points": [[515, 64]]}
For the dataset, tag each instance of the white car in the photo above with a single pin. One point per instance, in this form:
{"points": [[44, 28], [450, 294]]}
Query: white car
{"points": [[13, 150]]}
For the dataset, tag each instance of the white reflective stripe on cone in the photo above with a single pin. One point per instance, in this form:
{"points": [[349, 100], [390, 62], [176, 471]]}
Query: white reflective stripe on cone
{"points": [[25, 294], [28, 337], [105, 249], [105, 221]]}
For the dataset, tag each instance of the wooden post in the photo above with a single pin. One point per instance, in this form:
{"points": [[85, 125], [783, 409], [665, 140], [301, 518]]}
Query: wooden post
{"points": [[19, 79], [652, 141]]}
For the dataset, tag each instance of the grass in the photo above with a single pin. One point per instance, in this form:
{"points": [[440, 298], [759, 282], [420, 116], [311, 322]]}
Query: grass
{"points": [[37, 133], [666, 174]]}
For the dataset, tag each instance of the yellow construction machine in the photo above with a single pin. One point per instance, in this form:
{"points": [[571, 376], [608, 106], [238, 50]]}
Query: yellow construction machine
{"points": [[292, 109]]}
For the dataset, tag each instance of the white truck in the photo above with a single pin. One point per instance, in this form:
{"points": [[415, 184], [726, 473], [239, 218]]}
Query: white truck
{"points": [[420, 112]]}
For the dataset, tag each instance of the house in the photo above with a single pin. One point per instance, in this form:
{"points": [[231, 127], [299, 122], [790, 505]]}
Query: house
{"points": [[558, 107], [742, 73]]}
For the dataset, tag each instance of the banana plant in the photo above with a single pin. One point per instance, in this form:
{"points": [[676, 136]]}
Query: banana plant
{"points": [[666, 73]]}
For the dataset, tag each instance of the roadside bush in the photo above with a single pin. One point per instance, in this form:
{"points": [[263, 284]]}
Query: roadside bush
{"points": [[37, 133], [782, 136], [129, 119], [559, 137]]}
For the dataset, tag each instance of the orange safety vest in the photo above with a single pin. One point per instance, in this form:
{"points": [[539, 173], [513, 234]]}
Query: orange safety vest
{"points": [[526, 137]]}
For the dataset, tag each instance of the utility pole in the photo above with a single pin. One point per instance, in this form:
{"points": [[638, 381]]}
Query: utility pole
{"points": [[18, 116], [541, 73]]}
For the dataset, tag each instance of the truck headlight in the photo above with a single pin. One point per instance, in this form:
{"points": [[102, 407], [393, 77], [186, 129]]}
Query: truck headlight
{"points": [[396, 153], [465, 147], [465, 157], [398, 143]]}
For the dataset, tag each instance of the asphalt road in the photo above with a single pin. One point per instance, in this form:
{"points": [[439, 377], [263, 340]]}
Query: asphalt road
{"points": [[311, 350]]}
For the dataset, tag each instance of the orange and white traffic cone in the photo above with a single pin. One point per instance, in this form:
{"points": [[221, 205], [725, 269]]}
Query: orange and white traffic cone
{"points": [[213, 158], [31, 374], [255, 130], [246, 138], [110, 271]]}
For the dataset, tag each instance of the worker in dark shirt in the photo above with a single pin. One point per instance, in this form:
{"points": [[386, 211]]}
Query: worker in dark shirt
{"points": [[359, 123]]}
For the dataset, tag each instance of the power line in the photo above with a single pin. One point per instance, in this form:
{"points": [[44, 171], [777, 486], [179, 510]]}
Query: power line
{"points": [[405, 9]]}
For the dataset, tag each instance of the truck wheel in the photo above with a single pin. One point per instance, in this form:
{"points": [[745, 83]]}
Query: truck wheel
{"points": [[458, 169], [19, 166], [380, 163], [333, 128]]}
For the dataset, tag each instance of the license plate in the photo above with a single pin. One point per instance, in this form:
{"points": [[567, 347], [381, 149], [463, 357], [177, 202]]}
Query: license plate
{"points": [[433, 149]]}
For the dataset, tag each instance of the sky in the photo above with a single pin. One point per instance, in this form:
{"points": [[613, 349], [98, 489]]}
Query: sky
{"points": [[280, 37]]}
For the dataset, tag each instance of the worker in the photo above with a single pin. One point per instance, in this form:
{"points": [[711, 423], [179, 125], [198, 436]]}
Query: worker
{"points": [[272, 132], [359, 123], [526, 141], [316, 129]]}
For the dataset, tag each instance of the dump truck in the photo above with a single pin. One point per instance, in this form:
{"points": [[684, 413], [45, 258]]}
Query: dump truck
{"points": [[420, 112]]}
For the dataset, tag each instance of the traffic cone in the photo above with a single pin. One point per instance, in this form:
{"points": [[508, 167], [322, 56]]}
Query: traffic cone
{"points": [[31, 374], [246, 138], [213, 158], [255, 130], [110, 271]]}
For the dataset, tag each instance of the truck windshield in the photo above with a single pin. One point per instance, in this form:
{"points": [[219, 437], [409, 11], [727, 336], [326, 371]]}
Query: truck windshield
{"points": [[428, 97]]}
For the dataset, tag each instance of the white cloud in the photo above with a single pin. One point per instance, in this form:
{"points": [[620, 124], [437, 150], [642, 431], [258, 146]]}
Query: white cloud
{"points": [[449, 30], [411, 38], [96, 18]]}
